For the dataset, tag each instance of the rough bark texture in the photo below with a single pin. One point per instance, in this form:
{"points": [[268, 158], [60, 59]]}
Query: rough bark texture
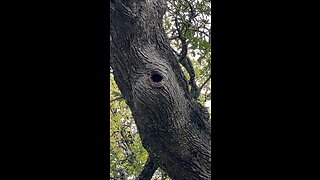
{"points": [[174, 128]]}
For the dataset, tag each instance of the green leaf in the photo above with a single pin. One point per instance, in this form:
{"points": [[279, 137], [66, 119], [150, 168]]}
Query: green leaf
{"points": [[200, 59], [116, 94]]}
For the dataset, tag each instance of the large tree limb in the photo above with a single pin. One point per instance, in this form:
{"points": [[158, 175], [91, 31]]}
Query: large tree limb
{"points": [[148, 170]]}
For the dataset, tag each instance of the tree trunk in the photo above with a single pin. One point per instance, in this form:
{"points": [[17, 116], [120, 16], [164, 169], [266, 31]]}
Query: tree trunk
{"points": [[174, 128]]}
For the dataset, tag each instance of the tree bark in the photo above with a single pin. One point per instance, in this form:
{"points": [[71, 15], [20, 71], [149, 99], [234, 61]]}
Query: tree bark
{"points": [[174, 128], [148, 170]]}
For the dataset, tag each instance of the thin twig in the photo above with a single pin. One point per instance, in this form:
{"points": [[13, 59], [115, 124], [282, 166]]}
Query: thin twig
{"points": [[205, 82], [118, 98]]}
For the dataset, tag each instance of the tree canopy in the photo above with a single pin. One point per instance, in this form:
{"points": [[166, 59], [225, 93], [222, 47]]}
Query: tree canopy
{"points": [[187, 25]]}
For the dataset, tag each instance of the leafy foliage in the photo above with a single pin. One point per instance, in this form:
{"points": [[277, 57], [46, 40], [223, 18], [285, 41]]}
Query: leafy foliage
{"points": [[127, 155], [188, 27]]}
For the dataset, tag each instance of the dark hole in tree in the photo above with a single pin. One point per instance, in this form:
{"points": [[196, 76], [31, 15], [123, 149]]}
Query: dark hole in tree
{"points": [[156, 77]]}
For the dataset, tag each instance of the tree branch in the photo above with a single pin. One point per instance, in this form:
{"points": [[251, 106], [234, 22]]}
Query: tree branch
{"points": [[118, 98], [148, 170], [205, 82], [186, 62]]}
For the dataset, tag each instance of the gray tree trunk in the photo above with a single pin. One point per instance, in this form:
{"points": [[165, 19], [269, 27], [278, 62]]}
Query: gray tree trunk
{"points": [[174, 128]]}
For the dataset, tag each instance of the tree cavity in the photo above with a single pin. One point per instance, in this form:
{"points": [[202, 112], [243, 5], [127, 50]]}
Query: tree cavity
{"points": [[156, 77]]}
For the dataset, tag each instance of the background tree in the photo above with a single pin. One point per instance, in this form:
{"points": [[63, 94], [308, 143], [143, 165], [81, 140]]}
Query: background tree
{"points": [[160, 59]]}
